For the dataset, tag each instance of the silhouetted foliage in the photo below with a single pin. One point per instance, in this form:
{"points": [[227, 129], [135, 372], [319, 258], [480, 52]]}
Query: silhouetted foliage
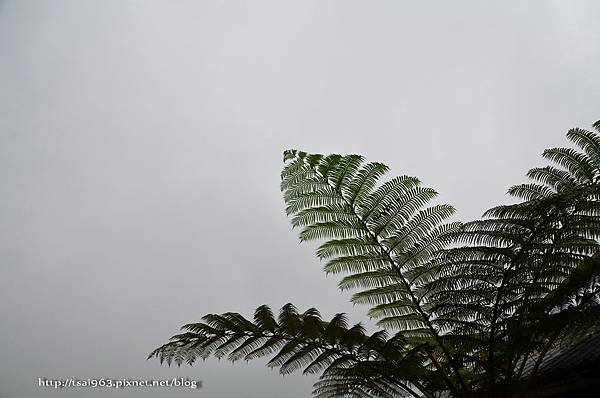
{"points": [[466, 310]]}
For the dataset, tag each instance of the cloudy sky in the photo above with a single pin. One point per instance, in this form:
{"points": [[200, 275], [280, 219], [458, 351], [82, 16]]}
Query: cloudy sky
{"points": [[140, 151]]}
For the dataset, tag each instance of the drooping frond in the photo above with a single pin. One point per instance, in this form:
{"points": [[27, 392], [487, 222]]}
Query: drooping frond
{"points": [[295, 341]]}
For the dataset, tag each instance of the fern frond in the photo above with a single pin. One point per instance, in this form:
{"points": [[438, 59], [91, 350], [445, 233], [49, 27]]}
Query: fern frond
{"points": [[296, 341]]}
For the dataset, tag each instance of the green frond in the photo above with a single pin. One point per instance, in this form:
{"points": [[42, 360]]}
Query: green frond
{"points": [[389, 190], [264, 319], [294, 342], [365, 180], [577, 163], [398, 211], [559, 180], [403, 322], [360, 263], [530, 191], [370, 279], [589, 142], [364, 246], [381, 295], [373, 230]]}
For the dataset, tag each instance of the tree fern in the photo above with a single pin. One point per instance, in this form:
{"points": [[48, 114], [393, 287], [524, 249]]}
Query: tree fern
{"points": [[526, 253], [465, 309]]}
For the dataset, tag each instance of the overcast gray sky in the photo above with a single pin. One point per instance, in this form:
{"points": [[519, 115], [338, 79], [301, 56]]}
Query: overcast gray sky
{"points": [[140, 151]]}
